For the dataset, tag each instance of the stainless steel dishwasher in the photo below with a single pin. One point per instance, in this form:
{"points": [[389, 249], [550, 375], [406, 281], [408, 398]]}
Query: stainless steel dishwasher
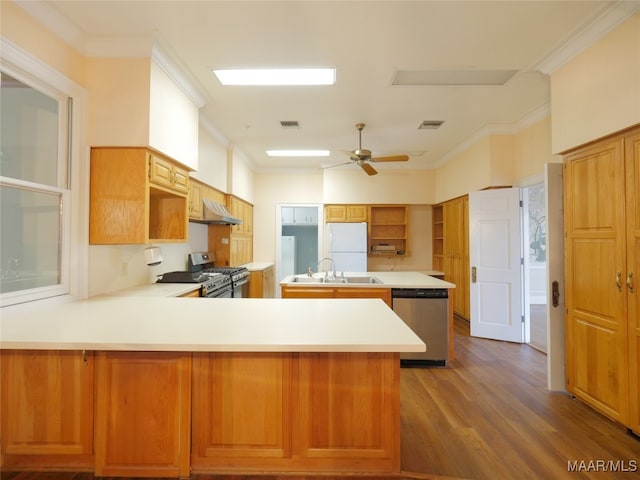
{"points": [[425, 311]]}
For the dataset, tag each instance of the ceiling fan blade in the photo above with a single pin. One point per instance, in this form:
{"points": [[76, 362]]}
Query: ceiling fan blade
{"points": [[391, 158], [367, 168]]}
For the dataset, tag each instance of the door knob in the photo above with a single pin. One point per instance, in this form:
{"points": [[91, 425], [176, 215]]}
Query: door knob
{"points": [[555, 293]]}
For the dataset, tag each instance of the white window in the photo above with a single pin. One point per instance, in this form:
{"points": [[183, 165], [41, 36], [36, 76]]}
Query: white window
{"points": [[36, 180]]}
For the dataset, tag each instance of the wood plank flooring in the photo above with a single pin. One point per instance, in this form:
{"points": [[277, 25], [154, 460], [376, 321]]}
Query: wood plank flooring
{"points": [[486, 416]]}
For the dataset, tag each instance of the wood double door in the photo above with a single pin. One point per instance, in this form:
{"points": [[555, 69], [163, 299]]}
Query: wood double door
{"points": [[602, 255], [456, 252]]}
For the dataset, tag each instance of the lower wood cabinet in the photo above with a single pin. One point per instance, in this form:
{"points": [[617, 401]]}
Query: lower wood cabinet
{"points": [[174, 414], [293, 412], [143, 414], [261, 283], [336, 292], [47, 409]]}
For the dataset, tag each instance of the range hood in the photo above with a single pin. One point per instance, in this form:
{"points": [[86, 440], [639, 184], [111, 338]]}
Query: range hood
{"points": [[217, 213]]}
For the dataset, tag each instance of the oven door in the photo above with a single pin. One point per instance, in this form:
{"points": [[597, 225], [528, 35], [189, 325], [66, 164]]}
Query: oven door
{"points": [[225, 292], [241, 288]]}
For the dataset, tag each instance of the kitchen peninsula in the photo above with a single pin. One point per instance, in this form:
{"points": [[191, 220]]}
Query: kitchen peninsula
{"points": [[175, 386]]}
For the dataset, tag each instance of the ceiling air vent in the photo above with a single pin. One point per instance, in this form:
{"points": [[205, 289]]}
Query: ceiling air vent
{"points": [[289, 124], [430, 125]]}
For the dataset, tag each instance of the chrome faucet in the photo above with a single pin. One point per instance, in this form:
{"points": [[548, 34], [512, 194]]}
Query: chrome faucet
{"points": [[326, 272]]}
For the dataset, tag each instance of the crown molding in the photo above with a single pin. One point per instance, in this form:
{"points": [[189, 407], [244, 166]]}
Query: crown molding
{"points": [[590, 34]]}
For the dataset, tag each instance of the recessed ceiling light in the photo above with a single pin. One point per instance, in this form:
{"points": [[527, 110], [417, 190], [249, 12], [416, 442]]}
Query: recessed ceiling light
{"points": [[298, 153], [277, 76]]}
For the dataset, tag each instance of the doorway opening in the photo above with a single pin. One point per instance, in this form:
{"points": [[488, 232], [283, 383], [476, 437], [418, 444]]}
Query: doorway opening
{"points": [[535, 265], [298, 238]]}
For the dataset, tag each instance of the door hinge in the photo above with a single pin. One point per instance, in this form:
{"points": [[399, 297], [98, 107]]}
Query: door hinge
{"points": [[521, 260], [521, 204], [522, 318]]}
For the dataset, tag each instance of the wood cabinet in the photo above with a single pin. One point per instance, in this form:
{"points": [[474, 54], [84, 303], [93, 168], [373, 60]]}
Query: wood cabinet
{"points": [[346, 213], [137, 197], [602, 254], [296, 412], [243, 210], [261, 283], [195, 200], [166, 173], [437, 229], [47, 409], [388, 226], [455, 251], [143, 414], [233, 244], [288, 291]]}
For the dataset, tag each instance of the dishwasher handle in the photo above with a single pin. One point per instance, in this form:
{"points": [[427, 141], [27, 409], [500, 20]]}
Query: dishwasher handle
{"points": [[419, 293]]}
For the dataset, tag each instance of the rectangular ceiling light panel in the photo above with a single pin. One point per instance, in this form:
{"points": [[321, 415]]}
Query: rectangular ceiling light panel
{"points": [[298, 153], [452, 77], [277, 76]]}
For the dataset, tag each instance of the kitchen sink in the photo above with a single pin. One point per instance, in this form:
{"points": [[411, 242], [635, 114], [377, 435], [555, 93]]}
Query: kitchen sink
{"points": [[362, 279]]}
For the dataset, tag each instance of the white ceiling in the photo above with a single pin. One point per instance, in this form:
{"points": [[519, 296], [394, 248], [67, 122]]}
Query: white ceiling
{"points": [[366, 41]]}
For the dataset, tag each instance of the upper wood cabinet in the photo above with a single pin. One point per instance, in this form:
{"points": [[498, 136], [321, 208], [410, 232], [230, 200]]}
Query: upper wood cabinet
{"points": [[137, 197], [46, 409], [232, 245], [389, 227], [345, 213], [602, 262], [195, 200]]}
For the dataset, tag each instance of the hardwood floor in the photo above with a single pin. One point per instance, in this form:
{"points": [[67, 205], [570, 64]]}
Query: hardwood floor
{"points": [[488, 415]]}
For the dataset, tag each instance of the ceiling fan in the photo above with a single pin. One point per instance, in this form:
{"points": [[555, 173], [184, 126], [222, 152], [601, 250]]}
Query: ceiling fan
{"points": [[363, 157]]}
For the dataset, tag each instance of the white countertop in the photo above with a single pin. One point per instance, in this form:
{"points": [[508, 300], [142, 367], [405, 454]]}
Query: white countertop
{"points": [[141, 323], [257, 266], [388, 279]]}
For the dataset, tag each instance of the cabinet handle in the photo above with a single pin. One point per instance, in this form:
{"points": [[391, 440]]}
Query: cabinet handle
{"points": [[84, 357], [474, 274], [618, 284], [630, 282]]}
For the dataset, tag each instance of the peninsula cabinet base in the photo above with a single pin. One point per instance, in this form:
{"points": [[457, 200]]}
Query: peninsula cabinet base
{"points": [[288, 412]]}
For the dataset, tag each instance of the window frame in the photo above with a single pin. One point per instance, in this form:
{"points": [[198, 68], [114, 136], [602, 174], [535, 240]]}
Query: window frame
{"points": [[74, 244]]}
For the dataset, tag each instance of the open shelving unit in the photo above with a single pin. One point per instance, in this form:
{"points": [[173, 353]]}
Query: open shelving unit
{"points": [[438, 237], [388, 227]]}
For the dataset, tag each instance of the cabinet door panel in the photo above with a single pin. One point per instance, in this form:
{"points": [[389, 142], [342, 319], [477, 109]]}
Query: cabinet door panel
{"points": [[596, 327], [143, 414], [349, 409], [241, 408], [47, 403], [632, 155]]}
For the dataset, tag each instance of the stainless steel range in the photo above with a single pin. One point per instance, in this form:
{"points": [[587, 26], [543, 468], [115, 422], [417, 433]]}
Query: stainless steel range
{"points": [[239, 276], [212, 285]]}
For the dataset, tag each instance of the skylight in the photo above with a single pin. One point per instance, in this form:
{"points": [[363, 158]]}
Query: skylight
{"points": [[277, 76], [298, 153]]}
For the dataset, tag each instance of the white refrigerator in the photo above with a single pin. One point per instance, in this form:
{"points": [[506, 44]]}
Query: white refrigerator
{"points": [[348, 246], [287, 256]]}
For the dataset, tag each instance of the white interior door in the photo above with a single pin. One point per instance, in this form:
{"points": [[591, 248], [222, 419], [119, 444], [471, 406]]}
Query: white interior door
{"points": [[495, 257], [555, 273]]}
